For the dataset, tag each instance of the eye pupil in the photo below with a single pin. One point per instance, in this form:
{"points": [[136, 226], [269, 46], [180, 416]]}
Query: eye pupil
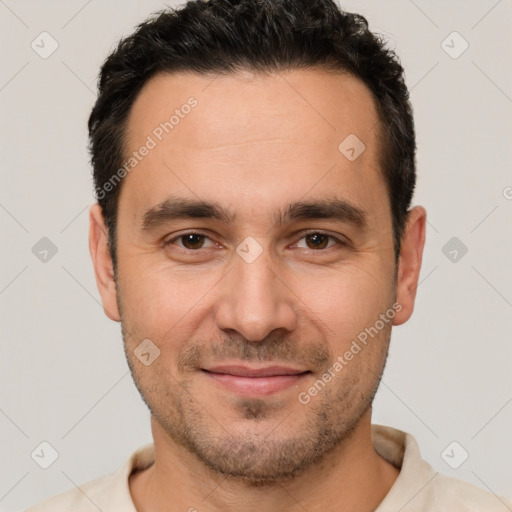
{"points": [[319, 240], [190, 241]]}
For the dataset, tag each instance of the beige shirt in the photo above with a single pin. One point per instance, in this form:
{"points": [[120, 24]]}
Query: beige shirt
{"points": [[418, 487]]}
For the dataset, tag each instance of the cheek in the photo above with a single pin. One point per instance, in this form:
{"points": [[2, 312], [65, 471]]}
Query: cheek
{"points": [[346, 301], [163, 304]]}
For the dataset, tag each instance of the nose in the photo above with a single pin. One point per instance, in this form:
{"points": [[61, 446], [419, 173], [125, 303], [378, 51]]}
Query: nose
{"points": [[254, 300]]}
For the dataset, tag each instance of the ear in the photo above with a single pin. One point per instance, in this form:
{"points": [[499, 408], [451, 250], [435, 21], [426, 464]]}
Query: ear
{"points": [[411, 253], [102, 261]]}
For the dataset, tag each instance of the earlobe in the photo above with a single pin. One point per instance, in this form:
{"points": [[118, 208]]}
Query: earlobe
{"points": [[411, 254], [102, 262]]}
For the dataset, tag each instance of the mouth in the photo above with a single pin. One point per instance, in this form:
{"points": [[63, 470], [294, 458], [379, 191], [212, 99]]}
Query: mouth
{"points": [[248, 381]]}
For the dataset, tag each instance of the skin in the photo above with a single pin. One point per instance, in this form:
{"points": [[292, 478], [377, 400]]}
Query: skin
{"points": [[253, 144]]}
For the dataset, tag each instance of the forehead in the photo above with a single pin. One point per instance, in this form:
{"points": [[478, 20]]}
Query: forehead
{"points": [[218, 134], [248, 105]]}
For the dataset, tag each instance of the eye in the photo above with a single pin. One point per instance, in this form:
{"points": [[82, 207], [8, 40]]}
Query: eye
{"points": [[191, 241], [194, 241], [316, 240]]}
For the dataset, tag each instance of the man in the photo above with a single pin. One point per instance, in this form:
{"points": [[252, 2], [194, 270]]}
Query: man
{"points": [[254, 170]]}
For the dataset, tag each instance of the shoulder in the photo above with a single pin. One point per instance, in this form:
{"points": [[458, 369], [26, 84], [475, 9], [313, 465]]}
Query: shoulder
{"points": [[420, 488], [107, 493], [462, 496], [87, 497]]}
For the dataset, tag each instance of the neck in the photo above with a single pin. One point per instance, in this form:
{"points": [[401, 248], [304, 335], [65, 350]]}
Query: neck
{"points": [[353, 476]]}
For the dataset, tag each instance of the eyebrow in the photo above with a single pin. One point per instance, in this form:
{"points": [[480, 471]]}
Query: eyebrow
{"points": [[179, 208]]}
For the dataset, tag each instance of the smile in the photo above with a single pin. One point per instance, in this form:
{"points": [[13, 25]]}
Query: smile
{"points": [[255, 382]]}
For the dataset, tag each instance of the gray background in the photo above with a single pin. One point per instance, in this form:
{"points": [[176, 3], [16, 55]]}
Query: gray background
{"points": [[64, 378]]}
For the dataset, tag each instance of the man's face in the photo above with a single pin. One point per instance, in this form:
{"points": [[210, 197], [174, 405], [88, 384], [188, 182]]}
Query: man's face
{"points": [[265, 286]]}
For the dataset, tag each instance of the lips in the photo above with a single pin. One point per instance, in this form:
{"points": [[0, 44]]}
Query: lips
{"points": [[254, 382], [244, 371]]}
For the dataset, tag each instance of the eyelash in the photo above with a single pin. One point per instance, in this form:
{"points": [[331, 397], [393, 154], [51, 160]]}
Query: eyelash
{"points": [[310, 232]]}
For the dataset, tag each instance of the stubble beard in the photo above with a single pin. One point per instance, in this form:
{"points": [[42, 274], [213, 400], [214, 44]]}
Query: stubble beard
{"points": [[253, 457]]}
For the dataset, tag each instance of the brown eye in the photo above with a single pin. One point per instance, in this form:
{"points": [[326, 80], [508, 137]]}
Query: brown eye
{"points": [[317, 241], [192, 240]]}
